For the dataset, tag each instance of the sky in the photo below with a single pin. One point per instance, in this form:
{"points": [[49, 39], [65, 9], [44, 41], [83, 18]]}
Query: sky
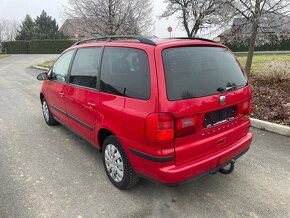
{"points": [[17, 9]]}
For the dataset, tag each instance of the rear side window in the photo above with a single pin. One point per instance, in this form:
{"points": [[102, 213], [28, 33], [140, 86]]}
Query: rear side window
{"points": [[125, 72], [85, 67], [193, 72]]}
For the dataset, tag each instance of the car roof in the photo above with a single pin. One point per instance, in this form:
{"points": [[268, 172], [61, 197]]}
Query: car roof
{"points": [[168, 42], [177, 41]]}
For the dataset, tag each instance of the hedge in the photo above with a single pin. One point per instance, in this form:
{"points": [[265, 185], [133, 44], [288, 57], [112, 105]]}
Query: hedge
{"points": [[59, 45], [283, 45], [15, 47], [37, 46]]}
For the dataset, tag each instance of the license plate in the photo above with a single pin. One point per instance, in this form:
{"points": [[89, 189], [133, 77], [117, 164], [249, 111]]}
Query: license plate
{"points": [[218, 117]]}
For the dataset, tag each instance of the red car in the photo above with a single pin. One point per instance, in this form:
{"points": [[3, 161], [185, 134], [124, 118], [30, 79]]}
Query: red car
{"points": [[164, 109]]}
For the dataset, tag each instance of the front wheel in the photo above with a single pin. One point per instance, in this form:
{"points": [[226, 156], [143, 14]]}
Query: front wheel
{"points": [[117, 165], [48, 117]]}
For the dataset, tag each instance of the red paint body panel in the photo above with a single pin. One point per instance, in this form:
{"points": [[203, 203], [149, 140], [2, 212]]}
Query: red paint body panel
{"points": [[54, 92], [81, 103], [170, 173], [125, 117]]}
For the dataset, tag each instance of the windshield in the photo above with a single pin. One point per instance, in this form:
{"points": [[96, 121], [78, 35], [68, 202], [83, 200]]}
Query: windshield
{"points": [[193, 72]]}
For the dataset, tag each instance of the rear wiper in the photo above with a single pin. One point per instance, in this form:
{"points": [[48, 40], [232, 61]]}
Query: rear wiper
{"points": [[220, 89], [228, 89], [231, 88]]}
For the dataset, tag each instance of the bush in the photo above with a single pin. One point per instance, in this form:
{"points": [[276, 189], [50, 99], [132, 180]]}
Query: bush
{"points": [[37, 46], [275, 71]]}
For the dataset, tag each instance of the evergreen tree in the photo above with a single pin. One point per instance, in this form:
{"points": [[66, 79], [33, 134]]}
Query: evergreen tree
{"points": [[26, 31], [46, 28]]}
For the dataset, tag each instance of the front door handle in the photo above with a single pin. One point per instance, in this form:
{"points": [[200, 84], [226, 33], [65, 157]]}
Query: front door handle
{"points": [[61, 94], [91, 105]]}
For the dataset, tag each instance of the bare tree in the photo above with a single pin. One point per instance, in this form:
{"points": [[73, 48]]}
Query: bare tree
{"points": [[112, 17], [8, 29], [12, 30], [196, 15], [253, 11]]}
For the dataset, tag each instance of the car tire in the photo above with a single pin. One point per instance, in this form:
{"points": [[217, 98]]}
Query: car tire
{"points": [[117, 164], [48, 116]]}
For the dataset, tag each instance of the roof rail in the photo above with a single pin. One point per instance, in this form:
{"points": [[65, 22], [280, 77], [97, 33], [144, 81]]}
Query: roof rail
{"points": [[194, 38], [115, 37]]}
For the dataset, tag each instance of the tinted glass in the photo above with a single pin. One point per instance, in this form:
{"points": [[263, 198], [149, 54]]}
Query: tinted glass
{"points": [[60, 67], [125, 71], [193, 72], [85, 67]]}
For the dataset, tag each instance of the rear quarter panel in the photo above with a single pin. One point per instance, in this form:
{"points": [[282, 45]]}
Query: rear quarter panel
{"points": [[126, 117]]}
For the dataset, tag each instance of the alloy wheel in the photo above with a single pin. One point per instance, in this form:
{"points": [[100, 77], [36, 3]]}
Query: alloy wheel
{"points": [[45, 111], [114, 163]]}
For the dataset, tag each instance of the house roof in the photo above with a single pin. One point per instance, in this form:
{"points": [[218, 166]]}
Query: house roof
{"points": [[74, 28], [270, 23]]}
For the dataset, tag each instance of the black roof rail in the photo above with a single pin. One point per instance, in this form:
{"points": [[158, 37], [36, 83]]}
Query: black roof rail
{"points": [[115, 37], [194, 38]]}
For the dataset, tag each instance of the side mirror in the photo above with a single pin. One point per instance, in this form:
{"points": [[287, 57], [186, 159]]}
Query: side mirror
{"points": [[42, 76]]}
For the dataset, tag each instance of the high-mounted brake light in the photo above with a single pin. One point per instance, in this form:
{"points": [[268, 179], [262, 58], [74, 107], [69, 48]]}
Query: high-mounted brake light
{"points": [[160, 126]]}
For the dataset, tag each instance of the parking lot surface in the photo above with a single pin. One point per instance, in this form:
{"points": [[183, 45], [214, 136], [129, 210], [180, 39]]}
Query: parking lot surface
{"points": [[51, 172]]}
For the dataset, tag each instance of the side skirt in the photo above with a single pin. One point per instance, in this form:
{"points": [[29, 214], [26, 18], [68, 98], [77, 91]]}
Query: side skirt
{"points": [[75, 132]]}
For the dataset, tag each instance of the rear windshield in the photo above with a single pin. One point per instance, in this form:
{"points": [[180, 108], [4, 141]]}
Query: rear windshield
{"points": [[193, 72]]}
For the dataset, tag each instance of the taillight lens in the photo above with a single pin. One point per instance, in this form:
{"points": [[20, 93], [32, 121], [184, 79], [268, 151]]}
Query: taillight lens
{"points": [[186, 125], [246, 107], [160, 126]]}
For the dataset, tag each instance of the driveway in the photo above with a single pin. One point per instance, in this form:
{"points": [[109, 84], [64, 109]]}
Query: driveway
{"points": [[51, 172]]}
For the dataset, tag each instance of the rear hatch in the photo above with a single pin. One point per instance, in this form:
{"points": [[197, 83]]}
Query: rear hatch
{"points": [[209, 96]]}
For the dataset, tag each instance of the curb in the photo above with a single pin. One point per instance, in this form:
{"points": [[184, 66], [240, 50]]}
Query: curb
{"points": [[39, 67], [271, 127]]}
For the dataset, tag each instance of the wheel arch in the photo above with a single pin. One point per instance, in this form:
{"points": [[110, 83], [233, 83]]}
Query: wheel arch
{"points": [[41, 96], [102, 135]]}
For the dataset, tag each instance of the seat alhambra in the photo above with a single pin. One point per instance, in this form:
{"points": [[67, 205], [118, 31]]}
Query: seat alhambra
{"points": [[164, 109]]}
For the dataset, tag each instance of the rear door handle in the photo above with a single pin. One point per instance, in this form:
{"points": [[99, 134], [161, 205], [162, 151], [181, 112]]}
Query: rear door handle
{"points": [[92, 105], [61, 94]]}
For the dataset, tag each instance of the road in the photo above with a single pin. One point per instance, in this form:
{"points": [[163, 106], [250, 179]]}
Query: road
{"points": [[51, 172]]}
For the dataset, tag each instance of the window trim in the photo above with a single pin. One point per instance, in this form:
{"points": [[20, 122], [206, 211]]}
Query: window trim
{"points": [[100, 72], [69, 68]]}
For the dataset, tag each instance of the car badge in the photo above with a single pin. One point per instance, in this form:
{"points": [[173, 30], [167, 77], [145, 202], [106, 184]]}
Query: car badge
{"points": [[222, 99]]}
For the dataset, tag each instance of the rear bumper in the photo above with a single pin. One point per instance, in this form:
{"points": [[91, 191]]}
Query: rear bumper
{"points": [[168, 172], [212, 171]]}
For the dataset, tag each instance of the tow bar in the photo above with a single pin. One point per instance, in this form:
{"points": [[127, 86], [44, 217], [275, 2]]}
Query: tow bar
{"points": [[228, 168]]}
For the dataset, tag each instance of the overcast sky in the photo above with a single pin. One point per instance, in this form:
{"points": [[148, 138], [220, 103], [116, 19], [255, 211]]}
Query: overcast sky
{"points": [[17, 9]]}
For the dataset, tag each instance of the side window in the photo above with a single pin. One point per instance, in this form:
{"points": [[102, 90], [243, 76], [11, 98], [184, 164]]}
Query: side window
{"points": [[85, 67], [60, 68], [125, 71]]}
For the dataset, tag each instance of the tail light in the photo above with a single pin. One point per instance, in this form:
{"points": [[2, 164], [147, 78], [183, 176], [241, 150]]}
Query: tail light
{"points": [[186, 125], [160, 126], [246, 107]]}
